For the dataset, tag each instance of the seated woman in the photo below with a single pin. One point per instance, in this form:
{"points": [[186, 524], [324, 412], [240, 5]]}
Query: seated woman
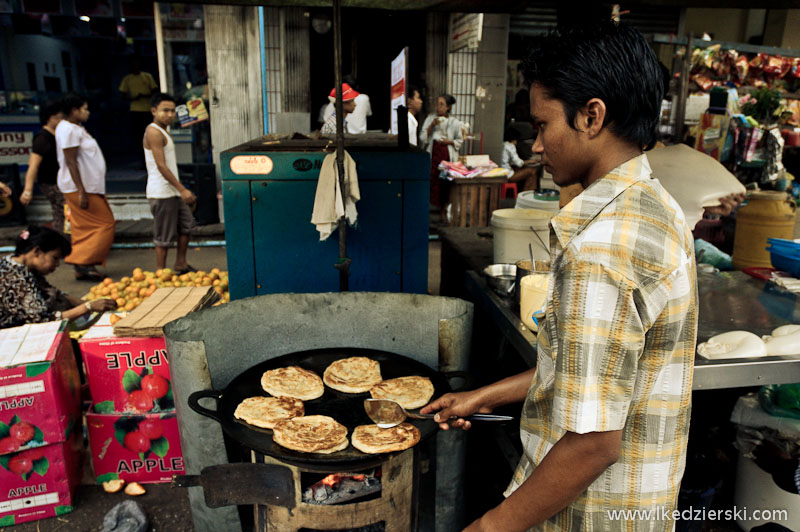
{"points": [[27, 296]]}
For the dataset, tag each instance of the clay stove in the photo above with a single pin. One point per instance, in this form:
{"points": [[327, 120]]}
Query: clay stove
{"points": [[381, 498]]}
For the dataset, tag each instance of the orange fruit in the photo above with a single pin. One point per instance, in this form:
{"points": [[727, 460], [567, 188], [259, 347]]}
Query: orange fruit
{"points": [[130, 306], [215, 270], [120, 301], [107, 281], [142, 292]]}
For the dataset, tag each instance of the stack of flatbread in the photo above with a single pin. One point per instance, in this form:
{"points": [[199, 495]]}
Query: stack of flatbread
{"points": [[292, 381], [410, 392], [311, 434], [265, 412], [372, 439], [353, 375]]}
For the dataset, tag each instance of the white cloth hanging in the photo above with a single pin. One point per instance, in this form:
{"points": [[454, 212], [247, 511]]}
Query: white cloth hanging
{"points": [[328, 205]]}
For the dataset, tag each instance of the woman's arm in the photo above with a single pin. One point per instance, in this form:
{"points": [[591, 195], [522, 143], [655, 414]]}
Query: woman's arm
{"points": [[71, 159], [30, 178], [425, 130], [457, 136], [98, 305]]}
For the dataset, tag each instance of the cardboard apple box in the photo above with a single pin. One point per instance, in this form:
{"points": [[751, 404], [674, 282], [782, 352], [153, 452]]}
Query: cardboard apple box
{"points": [[127, 374], [140, 448], [39, 386], [39, 482]]}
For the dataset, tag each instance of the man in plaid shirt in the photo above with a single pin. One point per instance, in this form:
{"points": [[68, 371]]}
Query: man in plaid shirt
{"points": [[605, 421]]}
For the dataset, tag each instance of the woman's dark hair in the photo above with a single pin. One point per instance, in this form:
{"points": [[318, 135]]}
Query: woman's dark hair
{"points": [[72, 101], [448, 99], [160, 97], [605, 60], [48, 110], [43, 238]]}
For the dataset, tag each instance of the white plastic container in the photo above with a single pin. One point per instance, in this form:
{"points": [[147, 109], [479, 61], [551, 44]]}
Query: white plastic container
{"points": [[513, 233], [755, 490], [531, 200]]}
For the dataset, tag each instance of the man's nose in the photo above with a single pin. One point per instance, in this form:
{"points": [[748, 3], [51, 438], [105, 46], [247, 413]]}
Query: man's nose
{"points": [[538, 147]]}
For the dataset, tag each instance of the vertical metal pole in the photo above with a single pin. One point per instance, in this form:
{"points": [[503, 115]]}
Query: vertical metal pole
{"points": [[683, 95], [162, 66], [344, 263], [262, 43]]}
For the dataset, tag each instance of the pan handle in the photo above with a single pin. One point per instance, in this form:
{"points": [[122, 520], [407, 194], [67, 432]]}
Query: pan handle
{"points": [[194, 403], [463, 375]]}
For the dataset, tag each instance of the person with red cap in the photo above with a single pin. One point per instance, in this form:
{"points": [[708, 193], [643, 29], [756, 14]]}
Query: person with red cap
{"points": [[348, 106]]}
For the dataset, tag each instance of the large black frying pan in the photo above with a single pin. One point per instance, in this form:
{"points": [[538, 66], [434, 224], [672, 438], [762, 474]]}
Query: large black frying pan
{"points": [[346, 408]]}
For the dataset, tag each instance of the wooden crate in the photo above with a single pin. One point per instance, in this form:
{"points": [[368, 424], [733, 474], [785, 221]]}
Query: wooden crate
{"points": [[473, 200]]}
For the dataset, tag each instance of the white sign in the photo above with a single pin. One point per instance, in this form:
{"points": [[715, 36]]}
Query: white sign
{"points": [[15, 146], [466, 30], [397, 94]]}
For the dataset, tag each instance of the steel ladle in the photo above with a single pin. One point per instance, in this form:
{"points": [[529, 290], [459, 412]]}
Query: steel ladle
{"points": [[387, 413]]}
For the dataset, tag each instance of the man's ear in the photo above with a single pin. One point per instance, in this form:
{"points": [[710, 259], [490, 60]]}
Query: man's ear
{"points": [[594, 116]]}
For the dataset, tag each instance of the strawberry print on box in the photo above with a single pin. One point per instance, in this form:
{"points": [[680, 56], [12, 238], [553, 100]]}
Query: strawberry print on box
{"points": [[39, 482], [141, 448], [128, 375], [39, 386]]}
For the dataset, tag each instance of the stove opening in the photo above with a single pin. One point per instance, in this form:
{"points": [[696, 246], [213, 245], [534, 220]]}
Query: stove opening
{"points": [[376, 527], [340, 488]]}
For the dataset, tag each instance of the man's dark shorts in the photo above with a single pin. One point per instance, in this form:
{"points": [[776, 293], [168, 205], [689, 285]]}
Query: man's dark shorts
{"points": [[171, 217]]}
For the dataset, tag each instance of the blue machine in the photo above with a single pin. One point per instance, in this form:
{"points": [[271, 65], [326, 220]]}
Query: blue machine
{"points": [[272, 246]]}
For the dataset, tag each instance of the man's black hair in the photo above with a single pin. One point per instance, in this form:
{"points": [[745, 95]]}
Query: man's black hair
{"points": [[71, 101], [605, 60], [411, 89], [43, 238], [511, 134], [160, 97], [47, 110]]}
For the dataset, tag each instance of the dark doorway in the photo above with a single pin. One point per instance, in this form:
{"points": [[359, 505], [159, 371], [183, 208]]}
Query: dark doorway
{"points": [[371, 38]]}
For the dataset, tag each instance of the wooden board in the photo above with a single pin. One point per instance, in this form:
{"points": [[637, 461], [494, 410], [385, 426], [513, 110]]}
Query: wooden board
{"points": [[165, 305]]}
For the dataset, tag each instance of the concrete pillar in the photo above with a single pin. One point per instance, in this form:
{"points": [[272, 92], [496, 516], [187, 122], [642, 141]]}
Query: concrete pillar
{"points": [[234, 76], [490, 92]]}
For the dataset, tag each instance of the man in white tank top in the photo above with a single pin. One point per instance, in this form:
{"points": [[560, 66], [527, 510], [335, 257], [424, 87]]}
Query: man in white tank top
{"points": [[169, 199]]}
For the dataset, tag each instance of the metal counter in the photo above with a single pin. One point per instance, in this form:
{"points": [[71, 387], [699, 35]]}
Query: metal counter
{"points": [[728, 301]]}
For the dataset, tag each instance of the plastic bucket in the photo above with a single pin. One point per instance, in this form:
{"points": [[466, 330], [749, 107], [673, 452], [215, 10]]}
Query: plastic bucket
{"points": [[533, 296], [543, 200], [514, 229], [767, 214]]}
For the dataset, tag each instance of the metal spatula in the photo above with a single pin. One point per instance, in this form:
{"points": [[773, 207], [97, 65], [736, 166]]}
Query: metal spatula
{"points": [[387, 413]]}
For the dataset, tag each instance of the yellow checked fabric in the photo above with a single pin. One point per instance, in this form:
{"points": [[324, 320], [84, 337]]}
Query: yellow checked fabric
{"points": [[616, 351]]}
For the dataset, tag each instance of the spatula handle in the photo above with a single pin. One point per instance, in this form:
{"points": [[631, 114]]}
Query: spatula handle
{"points": [[489, 417], [473, 417]]}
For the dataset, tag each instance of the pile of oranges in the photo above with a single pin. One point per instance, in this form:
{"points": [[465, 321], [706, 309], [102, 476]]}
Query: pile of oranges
{"points": [[129, 292]]}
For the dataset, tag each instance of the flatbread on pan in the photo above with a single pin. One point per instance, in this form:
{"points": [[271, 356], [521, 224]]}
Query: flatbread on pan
{"points": [[264, 412], [292, 381], [311, 434], [410, 392], [353, 375], [372, 439]]}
